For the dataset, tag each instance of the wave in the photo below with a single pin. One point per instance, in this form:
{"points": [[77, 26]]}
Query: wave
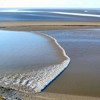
{"points": [[77, 14], [35, 81]]}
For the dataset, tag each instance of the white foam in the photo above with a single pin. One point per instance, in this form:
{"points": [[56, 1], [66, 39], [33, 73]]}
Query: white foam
{"points": [[76, 14], [35, 81], [61, 13]]}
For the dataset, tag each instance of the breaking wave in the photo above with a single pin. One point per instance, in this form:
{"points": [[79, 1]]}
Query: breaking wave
{"points": [[35, 81]]}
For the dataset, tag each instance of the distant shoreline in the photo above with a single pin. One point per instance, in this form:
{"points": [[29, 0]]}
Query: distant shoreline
{"points": [[39, 25], [19, 23]]}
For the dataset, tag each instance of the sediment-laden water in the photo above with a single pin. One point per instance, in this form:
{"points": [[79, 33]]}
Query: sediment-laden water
{"points": [[29, 61], [82, 77]]}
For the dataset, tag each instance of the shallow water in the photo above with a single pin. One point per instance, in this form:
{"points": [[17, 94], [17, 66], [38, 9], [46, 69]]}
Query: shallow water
{"points": [[82, 77], [22, 52]]}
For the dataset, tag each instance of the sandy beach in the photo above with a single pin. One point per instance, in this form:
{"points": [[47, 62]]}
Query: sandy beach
{"points": [[30, 26], [35, 26], [17, 95]]}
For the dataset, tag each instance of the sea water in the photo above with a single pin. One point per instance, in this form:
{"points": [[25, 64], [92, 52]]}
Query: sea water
{"points": [[49, 15], [82, 76], [29, 61]]}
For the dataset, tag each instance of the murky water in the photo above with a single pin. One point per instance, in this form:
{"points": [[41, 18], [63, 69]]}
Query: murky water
{"points": [[82, 76]]}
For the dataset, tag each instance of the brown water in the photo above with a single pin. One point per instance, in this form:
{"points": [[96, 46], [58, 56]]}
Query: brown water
{"points": [[22, 52], [82, 77]]}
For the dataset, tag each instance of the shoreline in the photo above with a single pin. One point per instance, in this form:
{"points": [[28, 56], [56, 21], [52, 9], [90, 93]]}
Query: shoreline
{"points": [[43, 95]]}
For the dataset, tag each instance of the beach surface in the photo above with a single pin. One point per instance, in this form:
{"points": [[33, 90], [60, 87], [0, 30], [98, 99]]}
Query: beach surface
{"points": [[66, 77], [17, 95]]}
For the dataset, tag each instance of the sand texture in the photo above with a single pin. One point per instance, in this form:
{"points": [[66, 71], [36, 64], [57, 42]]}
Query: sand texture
{"points": [[16, 95], [29, 26]]}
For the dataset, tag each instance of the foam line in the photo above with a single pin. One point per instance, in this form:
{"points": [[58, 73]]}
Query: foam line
{"points": [[76, 14]]}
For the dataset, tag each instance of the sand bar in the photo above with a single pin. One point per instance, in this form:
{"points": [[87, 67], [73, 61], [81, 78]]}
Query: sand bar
{"points": [[30, 26], [57, 23]]}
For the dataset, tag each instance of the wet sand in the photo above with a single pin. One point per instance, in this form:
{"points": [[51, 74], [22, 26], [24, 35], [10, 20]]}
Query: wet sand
{"points": [[42, 96], [30, 26], [75, 75], [1, 98], [45, 23]]}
